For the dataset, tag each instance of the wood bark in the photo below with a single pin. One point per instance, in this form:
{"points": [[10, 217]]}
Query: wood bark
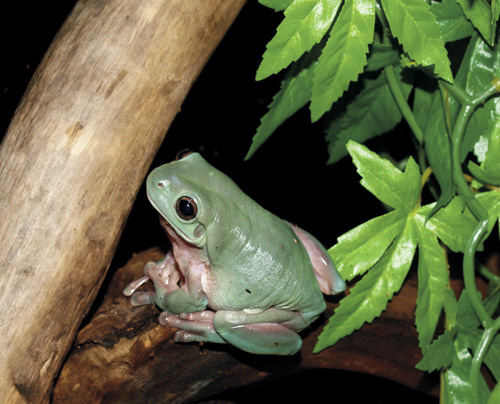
{"points": [[73, 159], [124, 356]]}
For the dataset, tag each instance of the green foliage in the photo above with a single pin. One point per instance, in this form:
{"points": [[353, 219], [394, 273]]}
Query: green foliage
{"points": [[363, 67]]}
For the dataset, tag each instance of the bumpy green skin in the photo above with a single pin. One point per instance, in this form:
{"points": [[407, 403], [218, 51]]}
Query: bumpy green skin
{"points": [[244, 274]]}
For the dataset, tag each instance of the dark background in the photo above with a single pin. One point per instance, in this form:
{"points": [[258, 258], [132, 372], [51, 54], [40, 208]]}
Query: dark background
{"points": [[288, 175]]}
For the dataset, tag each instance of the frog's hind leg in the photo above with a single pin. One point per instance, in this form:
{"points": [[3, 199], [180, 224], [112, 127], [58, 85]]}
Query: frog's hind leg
{"points": [[271, 332]]}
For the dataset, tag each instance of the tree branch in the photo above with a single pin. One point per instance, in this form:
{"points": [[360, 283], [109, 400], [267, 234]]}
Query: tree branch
{"points": [[124, 356], [73, 159]]}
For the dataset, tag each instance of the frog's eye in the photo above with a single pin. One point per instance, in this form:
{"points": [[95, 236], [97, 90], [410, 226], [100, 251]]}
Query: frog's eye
{"points": [[182, 154], [186, 207]]}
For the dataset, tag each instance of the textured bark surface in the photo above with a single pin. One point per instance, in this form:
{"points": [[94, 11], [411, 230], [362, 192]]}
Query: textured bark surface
{"points": [[73, 159], [124, 356]]}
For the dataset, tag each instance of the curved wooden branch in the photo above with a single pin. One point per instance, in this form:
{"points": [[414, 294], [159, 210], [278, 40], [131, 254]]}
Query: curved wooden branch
{"points": [[73, 159], [124, 356]]}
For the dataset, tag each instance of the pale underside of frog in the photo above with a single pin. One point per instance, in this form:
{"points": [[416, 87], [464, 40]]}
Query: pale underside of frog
{"points": [[236, 273]]}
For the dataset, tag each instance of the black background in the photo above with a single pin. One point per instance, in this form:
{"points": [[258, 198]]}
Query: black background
{"points": [[288, 175]]}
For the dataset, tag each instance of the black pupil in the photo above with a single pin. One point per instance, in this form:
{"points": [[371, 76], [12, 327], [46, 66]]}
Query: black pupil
{"points": [[186, 208]]}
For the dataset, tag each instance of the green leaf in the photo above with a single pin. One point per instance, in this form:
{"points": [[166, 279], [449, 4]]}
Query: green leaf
{"points": [[380, 56], [277, 5], [479, 68], [384, 180], [495, 395], [453, 224], [415, 26], [440, 353], [489, 171], [432, 284], [372, 113], [359, 249], [451, 20], [294, 94], [369, 297], [450, 307], [479, 12], [457, 386], [424, 91], [491, 202], [305, 23], [438, 148], [344, 55], [491, 359]]}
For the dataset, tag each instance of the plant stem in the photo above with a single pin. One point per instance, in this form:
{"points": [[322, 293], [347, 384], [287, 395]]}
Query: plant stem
{"points": [[479, 355], [400, 100], [491, 277], [490, 327]]}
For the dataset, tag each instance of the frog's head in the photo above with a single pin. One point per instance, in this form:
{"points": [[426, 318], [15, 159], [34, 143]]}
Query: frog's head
{"points": [[183, 191]]}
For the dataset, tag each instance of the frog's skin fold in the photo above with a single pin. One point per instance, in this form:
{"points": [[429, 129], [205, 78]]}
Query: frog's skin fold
{"points": [[236, 273]]}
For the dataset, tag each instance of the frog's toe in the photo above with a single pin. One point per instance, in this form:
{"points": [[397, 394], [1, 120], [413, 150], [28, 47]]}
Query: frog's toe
{"points": [[164, 316], [142, 298], [150, 267], [191, 330], [203, 315], [184, 336], [133, 286]]}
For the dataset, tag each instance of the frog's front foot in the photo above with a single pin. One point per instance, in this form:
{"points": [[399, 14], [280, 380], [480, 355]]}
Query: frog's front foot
{"points": [[164, 276]]}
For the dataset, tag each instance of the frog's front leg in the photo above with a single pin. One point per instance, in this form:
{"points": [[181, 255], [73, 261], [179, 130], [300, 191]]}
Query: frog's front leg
{"points": [[270, 332], [163, 274], [175, 290]]}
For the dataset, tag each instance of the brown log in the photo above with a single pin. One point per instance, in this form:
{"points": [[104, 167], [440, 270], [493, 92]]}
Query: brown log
{"points": [[73, 159], [124, 356]]}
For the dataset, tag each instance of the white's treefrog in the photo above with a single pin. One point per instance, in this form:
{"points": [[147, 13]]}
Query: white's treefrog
{"points": [[237, 273]]}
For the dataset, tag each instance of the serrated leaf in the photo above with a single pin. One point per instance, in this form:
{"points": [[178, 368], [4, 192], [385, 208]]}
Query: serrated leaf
{"points": [[294, 94], [453, 224], [440, 353], [470, 334], [372, 113], [432, 283], [369, 297], [458, 387], [393, 187], [305, 24], [344, 55], [415, 26], [359, 249], [479, 12], [451, 20]]}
